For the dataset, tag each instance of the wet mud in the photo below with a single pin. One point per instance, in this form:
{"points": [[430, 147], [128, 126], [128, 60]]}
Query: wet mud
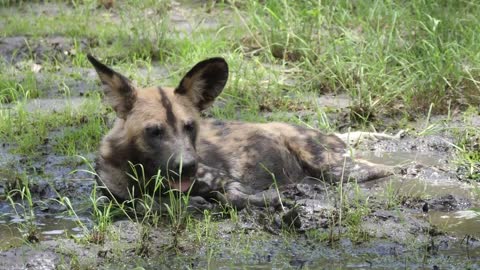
{"points": [[21, 48], [423, 217]]}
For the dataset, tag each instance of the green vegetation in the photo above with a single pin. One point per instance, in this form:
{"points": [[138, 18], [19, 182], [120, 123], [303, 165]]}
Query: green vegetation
{"points": [[71, 131], [469, 154], [389, 57], [12, 90], [468, 146], [381, 53], [24, 209]]}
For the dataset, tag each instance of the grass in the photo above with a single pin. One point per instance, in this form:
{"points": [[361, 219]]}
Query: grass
{"points": [[468, 146], [71, 131], [12, 90], [468, 154], [389, 57], [22, 203], [381, 53], [356, 209]]}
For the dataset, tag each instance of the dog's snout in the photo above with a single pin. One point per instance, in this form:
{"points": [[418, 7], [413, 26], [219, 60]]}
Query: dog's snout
{"points": [[186, 166], [189, 168]]}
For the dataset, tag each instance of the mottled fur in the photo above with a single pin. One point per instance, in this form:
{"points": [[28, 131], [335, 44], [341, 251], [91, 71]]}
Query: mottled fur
{"points": [[234, 162]]}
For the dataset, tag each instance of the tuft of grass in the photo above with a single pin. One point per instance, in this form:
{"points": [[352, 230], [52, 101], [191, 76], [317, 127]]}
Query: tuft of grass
{"points": [[356, 209], [21, 201], [468, 153], [30, 131], [80, 139], [101, 216], [12, 90], [391, 196], [144, 208], [470, 160]]}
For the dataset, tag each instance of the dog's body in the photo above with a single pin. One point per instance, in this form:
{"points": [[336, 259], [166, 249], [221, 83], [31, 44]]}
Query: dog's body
{"points": [[234, 162]]}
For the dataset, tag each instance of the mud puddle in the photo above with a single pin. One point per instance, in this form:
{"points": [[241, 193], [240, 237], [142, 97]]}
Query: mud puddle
{"points": [[48, 227], [461, 223], [431, 183], [427, 175]]}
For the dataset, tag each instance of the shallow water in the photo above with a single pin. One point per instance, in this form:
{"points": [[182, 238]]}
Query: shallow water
{"points": [[434, 183], [459, 223], [49, 227], [399, 157]]}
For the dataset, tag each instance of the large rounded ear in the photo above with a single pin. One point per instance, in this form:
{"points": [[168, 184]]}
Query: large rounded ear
{"points": [[119, 91], [204, 82]]}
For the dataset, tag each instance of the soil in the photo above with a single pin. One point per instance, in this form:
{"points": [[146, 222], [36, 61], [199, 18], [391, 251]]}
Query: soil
{"points": [[306, 233]]}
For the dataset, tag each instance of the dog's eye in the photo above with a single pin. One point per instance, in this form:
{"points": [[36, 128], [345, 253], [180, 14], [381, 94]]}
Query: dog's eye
{"points": [[154, 131], [189, 126]]}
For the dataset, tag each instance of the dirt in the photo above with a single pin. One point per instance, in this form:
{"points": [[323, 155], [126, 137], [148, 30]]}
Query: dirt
{"points": [[20, 48], [306, 233]]}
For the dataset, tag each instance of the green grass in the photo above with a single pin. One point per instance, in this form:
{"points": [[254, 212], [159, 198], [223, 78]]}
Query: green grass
{"points": [[468, 146], [469, 156], [12, 89], [21, 201], [389, 57], [414, 53], [71, 131]]}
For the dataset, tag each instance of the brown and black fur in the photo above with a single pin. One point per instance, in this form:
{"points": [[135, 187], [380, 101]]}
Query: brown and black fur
{"points": [[234, 162]]}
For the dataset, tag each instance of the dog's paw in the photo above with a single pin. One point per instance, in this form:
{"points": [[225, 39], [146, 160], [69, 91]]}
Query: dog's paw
{"points": [[197, 203]]}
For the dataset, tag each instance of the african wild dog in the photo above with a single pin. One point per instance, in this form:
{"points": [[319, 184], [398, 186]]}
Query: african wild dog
{"points": [[230, 161]]}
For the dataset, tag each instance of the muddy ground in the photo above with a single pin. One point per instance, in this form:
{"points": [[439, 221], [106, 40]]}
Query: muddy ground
{"points": [[394, 227], [425, 217]]}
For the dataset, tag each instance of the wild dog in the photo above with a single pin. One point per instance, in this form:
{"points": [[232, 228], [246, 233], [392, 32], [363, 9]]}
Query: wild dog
{"points": [[230, 161]]}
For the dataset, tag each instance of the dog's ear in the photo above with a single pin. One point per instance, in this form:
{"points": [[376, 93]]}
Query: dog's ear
{"points": [[119, 91], [204, 82]]}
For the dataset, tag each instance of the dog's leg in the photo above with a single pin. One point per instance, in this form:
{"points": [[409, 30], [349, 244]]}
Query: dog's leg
{"points": [[324, 157], [362, 170], [212, 182], [236, 196]]}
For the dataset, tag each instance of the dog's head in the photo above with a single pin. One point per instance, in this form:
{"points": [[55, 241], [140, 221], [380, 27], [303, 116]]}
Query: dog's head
{"points": [[158, 126]]}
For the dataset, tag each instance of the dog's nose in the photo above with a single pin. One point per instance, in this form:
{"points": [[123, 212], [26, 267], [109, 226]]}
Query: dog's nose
{"points": [[187, 167]]}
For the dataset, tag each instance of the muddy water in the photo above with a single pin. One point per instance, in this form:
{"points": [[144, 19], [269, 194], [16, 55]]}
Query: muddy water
{"points": [[48, 228], [48, 224], [456, 214], [459, 223], [427, 176]]}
